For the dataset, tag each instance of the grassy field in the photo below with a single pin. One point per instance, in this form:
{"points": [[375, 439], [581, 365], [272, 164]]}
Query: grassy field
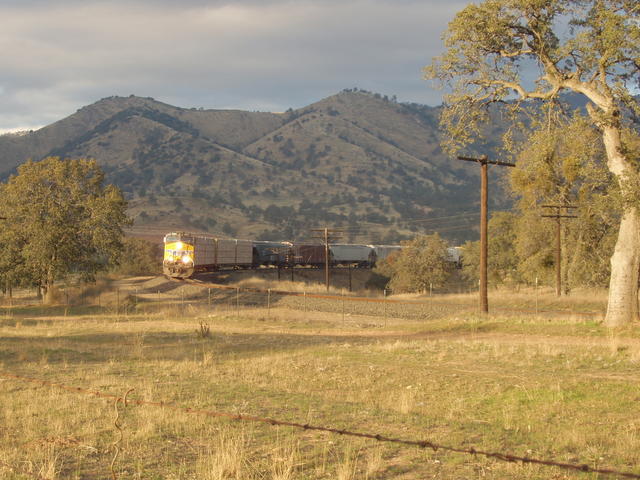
{"points": [[553, 387]]}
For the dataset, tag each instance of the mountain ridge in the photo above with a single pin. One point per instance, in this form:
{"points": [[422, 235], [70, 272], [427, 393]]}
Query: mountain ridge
{"points": [[355, 160]]}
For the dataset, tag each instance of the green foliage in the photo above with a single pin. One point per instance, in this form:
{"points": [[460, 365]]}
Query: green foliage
{"points": [[564, 163], [560, 163], [502, 262], [60, 219], [422, 262], [139, 257], [495, 46]]}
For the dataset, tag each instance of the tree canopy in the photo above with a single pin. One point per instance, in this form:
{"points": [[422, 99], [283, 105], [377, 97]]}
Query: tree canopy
{"points": [[60, 219], [421, 263], [513, 52]]}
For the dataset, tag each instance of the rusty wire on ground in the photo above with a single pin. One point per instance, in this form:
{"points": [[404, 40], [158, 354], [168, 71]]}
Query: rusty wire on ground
{"points": [[506, 457], [116, 444]]}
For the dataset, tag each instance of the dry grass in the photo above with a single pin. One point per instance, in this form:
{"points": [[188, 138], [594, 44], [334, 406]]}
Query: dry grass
{"points": [[558, 389]]}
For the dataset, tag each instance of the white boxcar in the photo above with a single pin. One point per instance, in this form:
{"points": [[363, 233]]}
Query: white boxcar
{"points": [[204, 251], [244, 253], [232, 252], [348, 254], [222, 252]]}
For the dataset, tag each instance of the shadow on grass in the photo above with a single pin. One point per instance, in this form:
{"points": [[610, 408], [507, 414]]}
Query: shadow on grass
{"points": [[155, 346], [51, 311]]}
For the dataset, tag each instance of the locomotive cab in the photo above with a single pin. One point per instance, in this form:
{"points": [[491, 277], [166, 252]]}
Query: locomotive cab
{"points": [[178, 255]]}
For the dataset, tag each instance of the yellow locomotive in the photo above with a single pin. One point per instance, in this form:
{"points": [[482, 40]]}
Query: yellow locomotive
{"points": [[179, 255]]}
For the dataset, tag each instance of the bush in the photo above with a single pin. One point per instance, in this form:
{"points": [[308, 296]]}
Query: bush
{"points": [[139, 257]]}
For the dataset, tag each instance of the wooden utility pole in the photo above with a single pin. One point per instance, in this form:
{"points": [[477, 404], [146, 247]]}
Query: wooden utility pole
{"points": [[558, 216], [327, 235], [484, 243]]}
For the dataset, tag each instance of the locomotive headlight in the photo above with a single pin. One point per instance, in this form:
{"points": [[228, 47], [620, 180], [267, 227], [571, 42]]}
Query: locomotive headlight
{"points": [[186, 259], [179, 245]]}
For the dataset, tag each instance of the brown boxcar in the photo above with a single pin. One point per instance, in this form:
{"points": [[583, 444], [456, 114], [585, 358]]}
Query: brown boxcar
{"points": [[307, 254]]}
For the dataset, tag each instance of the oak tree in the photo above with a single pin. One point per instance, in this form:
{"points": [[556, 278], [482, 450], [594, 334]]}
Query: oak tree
{"points": [[61, 219], [522, 51], [421, 262]]}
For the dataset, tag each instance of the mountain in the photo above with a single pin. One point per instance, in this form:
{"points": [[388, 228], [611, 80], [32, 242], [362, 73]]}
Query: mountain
{"points": [[356, 160]]}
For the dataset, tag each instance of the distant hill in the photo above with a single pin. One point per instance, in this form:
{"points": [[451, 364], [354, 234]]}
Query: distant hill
{"points": [[356, 160]]}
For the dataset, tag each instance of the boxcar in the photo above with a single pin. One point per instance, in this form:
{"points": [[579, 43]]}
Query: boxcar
{"points": [[307, 254]]}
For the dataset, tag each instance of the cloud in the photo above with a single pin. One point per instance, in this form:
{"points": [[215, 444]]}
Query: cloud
{"points": [[257, 55]]}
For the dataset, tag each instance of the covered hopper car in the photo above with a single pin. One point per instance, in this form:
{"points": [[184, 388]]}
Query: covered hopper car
{"points": [[356, 255]]}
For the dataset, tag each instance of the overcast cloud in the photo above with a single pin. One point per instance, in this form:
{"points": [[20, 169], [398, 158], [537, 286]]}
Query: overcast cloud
{"points": [[57, 56]]}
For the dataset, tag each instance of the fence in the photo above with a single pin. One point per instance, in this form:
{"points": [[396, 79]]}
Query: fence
{"points": [[147, 296]]}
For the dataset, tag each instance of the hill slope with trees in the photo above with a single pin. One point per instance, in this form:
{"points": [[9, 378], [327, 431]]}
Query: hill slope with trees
{"points": [[356, 160]]}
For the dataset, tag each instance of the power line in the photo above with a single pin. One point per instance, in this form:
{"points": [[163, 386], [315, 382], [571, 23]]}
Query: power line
{"points": [[470, 214]]}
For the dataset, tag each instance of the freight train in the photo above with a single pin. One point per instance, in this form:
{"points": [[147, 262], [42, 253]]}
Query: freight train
{"points": [[188, 253]]}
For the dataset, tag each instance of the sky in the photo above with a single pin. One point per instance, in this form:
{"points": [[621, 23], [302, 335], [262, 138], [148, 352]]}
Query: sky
{"points": [[267, 55]]}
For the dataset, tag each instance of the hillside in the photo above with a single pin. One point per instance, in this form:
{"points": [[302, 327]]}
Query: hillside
{"points": [[355, 160]]}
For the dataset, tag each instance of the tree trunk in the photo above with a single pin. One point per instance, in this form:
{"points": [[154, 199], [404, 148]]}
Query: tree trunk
{"points": [[622, 307], [48, 287], [625, 262], [48, 295]]}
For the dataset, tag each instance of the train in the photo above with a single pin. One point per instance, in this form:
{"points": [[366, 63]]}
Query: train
{"points": [[188, 253]]}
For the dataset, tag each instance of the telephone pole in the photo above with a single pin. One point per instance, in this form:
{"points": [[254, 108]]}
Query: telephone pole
{"points": [[327, 235], [484, 195], [558, 216]]}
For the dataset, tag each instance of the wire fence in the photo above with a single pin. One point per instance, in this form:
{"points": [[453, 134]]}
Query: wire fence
{"points": [[421, 443], [232, 300]]}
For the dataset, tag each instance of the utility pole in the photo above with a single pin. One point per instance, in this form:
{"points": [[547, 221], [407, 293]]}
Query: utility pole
{"points": [[484, 242], [327, 236], [558, 216]]}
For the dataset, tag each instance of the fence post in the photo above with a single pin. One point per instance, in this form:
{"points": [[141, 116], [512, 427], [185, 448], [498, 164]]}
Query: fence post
{"points": [[304, 301], [209, 298], [536, 294], [343, 305], [117, 303], [384, 306], [237, 301], [268, 304]]}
